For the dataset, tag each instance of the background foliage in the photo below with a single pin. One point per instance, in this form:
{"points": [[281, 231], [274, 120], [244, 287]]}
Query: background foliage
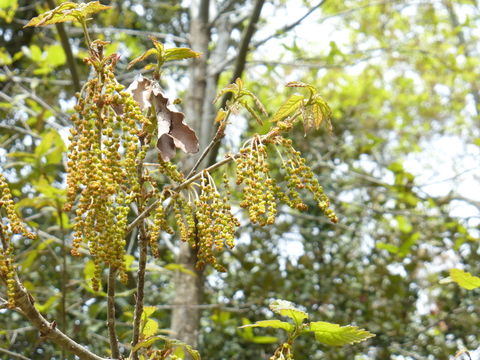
{"points": [[401, 78]]}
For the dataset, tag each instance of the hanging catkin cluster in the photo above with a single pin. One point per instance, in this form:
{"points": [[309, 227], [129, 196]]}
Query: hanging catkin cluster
{"points": [[104, 153], [207, 223], [159, 223], [260, 188], [10, 224], [300, 176], [261, 192]]}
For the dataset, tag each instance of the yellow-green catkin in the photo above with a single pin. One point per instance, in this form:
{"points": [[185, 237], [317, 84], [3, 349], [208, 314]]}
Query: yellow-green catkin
{"points": [[206, 223], [170, 170], [10, 224], [102, 178], [299, 176], [215, 223], [159, 224], [259, 191]]}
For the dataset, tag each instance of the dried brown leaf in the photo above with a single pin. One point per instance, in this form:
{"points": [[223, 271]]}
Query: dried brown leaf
{"points": [[173, 132]]}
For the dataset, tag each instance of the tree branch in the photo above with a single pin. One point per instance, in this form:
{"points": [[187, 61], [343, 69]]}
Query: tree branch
{"points": [[289, 27], [142, 263], [25, 302], [241, 58], [111, 314], [182, 186], [218, 136], [13, 354], [68, 50]]}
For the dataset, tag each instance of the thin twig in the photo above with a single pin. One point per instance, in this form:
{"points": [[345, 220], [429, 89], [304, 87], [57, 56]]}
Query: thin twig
{"points": [[48, 330], [67, 49], [15, 355], [142, 263], [112, 30], [182, 186], [20, 130], [64, 277], [240, 62], [218, 136], [111, 314], [289, 27]]}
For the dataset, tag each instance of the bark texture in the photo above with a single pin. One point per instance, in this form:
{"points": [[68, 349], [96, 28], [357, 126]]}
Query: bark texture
{"points": [[188, 288], [200, 113]]}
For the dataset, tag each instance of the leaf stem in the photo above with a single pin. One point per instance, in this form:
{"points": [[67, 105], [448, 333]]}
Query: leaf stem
{"points": [[88, 41]]}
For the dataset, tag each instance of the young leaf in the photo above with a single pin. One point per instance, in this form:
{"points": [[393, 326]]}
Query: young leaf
{"points": [[149, 342], [180, 54], [150, 328], [193, 353], [286, 308], [336, 335], [221, 115], [465, 279], [291, 105], [252, 112], [231, 88], [142, 57], [149, 310], [67, 11], [275, 324]]}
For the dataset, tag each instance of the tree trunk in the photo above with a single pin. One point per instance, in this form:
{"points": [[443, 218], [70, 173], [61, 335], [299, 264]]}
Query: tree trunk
{"points": [[200, 112], [188, 288]]}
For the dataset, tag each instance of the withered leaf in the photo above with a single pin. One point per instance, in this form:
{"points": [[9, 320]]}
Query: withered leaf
{"points": [[173, 133]]}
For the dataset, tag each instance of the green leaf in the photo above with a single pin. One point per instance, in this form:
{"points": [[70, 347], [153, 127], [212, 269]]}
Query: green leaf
{"points": [[149, 342], [193, 353], [5, 58], [231, 88], [67, 11], [265, 340], [51, 146], [180, 54], [148, 311], [389, 247], [55, 55], [275, 324], [286, 308], [252, 112], [404, 224], [142, 57], [88, 274], [150, 328], [52, 300], [129, 259], [336, 335], [169, 342], [464, 279], [221, 115], [396, 167], [291, 105], [179, 267], [8, 9], [34, 253]]}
